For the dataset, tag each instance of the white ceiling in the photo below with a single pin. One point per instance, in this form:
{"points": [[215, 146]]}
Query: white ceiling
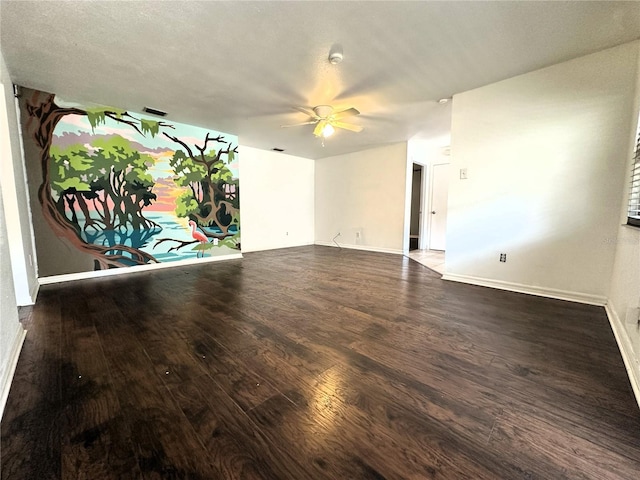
{"points": [[241, 67]]}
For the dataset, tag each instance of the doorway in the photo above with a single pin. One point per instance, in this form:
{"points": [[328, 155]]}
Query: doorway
{"points": [[415, 229], [429, 199]]}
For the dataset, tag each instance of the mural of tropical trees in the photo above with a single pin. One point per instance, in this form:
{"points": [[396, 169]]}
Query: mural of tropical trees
{"points": [[103, 187], [211, 197], [98, 192]]}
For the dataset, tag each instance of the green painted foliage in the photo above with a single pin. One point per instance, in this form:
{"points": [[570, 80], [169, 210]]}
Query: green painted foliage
{"points": [[186, 205], [116, 151], [72, 167], [71, 184], [230, 242], [220, 173], [109, 168], [149, 126], [186, 169], [138, 171], [97, 115], [223, 175]]}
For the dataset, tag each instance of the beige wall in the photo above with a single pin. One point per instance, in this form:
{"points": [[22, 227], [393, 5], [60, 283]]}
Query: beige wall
{"points": [[18, 215], [11, 332], [18, 285], [546, 154], [276, 200], [362, 193], [624, 294]]}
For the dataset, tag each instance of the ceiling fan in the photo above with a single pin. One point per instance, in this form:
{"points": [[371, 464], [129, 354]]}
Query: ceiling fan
{"points": [[327, 120]]}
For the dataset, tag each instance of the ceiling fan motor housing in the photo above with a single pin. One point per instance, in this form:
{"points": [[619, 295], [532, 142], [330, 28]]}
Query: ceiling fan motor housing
{"points": [[323, 111]]}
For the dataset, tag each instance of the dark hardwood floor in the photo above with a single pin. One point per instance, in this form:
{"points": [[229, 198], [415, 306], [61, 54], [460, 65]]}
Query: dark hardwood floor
{"points": [[315, 363]]}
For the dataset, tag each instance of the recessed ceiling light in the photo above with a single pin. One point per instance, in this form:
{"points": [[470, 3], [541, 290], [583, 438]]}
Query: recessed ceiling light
{"points": [[442, 101]]}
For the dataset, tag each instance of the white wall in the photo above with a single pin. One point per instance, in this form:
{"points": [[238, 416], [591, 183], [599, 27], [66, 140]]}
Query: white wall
{"points": [[546, 154], [20, 238], [11, 332], [276, 200], [624, 295], [363, 193]]}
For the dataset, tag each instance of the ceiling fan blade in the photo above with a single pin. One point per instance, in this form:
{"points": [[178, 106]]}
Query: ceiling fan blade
{"points": [[307, 111], [318, 130], [347, 126], [298, 124], [345, 113]]}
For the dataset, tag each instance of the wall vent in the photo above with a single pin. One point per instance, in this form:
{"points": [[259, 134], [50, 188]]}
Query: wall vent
{"points": [[154, 111]]}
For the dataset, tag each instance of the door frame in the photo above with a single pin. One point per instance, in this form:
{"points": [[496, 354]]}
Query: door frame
{"points": [[424, 202], [426, 156]]}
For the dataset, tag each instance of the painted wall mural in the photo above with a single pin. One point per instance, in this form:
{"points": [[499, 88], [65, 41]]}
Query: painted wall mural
{"points": [[128, 189]]}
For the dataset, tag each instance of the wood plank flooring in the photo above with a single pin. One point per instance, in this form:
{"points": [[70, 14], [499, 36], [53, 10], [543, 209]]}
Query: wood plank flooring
{"points": [[315, 363]]}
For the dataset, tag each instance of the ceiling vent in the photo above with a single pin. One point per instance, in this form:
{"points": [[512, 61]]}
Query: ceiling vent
{"points": [[154, 111]]}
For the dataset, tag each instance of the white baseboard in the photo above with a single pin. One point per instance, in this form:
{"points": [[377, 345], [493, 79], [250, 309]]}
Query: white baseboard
{"points": [[278, 247], [139, 268], [360, 247], [12, 363], [529, 289], [631, 361]]}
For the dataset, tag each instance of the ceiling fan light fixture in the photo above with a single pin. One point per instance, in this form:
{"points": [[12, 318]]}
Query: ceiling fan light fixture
{"points": [[327, 120], [328, 130]]}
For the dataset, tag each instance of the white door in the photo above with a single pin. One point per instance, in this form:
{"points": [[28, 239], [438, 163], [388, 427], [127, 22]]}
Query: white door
{"points": [[439, 194]]}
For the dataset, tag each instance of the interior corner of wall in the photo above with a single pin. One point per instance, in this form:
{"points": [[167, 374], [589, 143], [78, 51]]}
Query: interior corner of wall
{"points": [[625, 345]]}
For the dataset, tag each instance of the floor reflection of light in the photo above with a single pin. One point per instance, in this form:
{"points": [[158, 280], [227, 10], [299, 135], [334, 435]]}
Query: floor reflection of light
{"points": [[324, 408]]}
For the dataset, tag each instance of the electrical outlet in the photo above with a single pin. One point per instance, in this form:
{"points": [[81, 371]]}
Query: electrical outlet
{"points": [[503, 257], [463, 174]]}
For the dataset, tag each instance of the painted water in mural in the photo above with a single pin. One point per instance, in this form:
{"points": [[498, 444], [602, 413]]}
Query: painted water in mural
{"points": [[130, 190]]}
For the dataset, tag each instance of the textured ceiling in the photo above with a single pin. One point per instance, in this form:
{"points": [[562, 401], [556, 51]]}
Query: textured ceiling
{"points": [[241, 67]]}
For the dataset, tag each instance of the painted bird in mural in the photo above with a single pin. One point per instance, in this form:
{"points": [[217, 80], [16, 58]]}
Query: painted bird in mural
{"points": [[199, 236]]}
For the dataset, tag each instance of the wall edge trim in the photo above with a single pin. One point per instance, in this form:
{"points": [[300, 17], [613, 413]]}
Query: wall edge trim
{"points": [[578, 297], [626, 350], [11, 367], [69, 277], [33, 295], [394, 251]]}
